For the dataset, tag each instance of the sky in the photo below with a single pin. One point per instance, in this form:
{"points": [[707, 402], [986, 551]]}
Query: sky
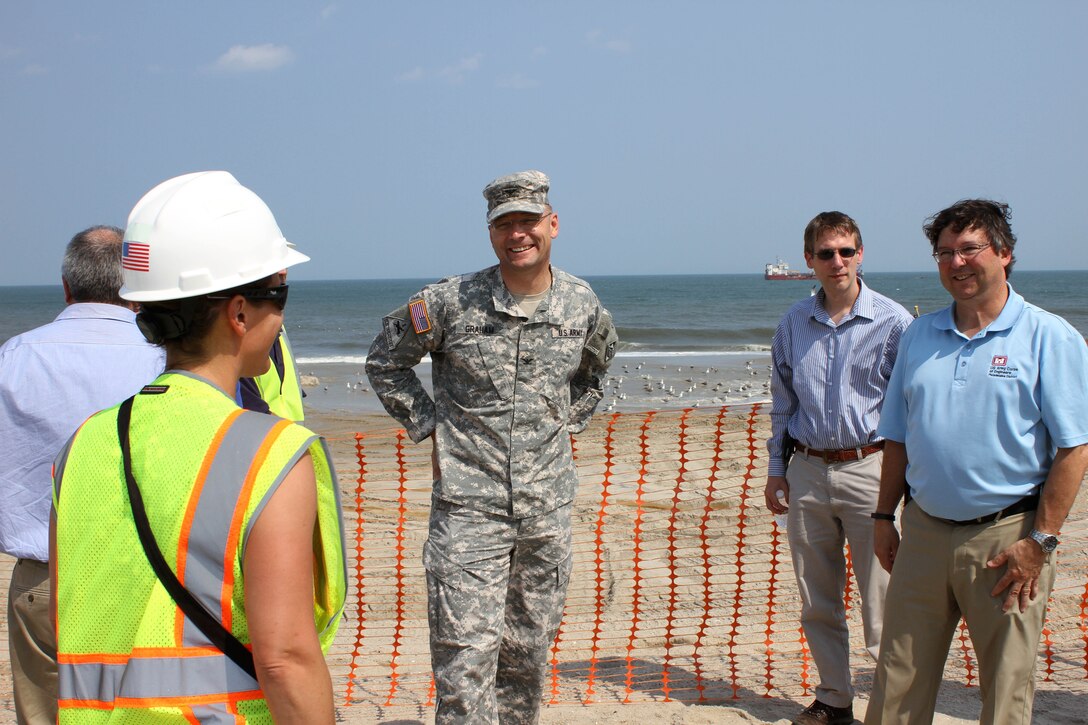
{"points": [[680, 137]]}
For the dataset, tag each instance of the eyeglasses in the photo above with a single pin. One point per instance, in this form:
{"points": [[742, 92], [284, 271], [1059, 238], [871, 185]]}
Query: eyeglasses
{"points": [[504, 226], [829, 254], [969, 251], [276, 295]]}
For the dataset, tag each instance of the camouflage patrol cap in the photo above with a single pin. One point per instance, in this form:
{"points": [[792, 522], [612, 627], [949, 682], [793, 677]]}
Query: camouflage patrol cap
{"points": [[524, 191]]}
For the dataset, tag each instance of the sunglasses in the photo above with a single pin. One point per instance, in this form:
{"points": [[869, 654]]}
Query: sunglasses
{"points": [[829, 254], [276, 295]]}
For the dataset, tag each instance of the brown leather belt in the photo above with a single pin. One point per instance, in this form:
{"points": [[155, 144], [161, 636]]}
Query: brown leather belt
{"points": [[843, 455]]}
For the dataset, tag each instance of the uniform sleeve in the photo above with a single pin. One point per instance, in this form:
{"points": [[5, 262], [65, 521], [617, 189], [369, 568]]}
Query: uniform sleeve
{"points": [[783, 399], [408, 333], [587, 385]]}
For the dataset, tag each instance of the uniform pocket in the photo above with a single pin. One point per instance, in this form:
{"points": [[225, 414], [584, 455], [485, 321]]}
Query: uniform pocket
{"points": [[444, 569], [499, 361]]}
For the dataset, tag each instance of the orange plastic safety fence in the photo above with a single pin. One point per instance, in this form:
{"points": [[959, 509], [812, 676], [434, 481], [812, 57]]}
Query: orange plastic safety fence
{"points": [[683, 587]]}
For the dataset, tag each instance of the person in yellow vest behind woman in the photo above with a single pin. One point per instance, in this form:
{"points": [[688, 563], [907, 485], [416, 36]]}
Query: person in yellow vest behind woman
{"points": [[197, 549], [279, 390]]}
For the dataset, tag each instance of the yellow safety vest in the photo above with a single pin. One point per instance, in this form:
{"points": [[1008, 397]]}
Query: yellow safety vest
{"points": [[284, 396], [205, 469]]}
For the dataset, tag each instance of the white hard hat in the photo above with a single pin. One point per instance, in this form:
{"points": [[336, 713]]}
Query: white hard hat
{"points": [[200, 233]]}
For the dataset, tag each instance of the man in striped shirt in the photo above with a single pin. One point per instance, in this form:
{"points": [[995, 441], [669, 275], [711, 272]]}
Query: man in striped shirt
{"points": [[833, 354]]}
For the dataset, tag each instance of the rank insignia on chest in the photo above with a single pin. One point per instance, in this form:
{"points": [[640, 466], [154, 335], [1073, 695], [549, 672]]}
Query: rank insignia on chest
{"points": [[421, 321]]}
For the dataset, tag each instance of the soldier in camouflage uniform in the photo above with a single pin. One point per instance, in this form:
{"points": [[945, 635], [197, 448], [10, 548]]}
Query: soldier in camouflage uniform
{"points": [[519, 353]]}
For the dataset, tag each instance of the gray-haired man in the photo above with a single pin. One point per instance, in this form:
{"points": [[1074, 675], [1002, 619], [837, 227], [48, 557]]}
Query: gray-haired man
{"points": [[519, 352], [51, 378]]}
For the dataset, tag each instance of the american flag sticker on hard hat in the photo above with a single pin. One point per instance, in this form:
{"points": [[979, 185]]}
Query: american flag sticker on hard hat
{"points": [[420, 321], [136, 256]]}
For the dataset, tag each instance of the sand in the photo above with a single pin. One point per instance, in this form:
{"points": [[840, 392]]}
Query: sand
{"points": [[661, 470]]}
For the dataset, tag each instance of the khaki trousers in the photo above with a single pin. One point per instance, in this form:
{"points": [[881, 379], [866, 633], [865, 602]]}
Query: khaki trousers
{"points": [[829, 506], [32, 644], [940, 574]]}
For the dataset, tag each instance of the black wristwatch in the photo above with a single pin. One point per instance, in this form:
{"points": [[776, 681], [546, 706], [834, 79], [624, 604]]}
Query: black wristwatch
{"points": [[1047, 542]]}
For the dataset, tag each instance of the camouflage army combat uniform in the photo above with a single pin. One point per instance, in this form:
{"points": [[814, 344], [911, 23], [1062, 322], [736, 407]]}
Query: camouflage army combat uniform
{"points": [[508, 391]]}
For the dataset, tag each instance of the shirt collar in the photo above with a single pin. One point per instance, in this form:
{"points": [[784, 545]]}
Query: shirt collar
{"points": [[505, 302], [96, 310], [864, 305], [1014, 305]]}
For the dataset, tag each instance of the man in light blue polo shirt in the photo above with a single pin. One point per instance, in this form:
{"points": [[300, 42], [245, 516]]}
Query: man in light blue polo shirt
{"points": [[52, 378], [986, 423]]}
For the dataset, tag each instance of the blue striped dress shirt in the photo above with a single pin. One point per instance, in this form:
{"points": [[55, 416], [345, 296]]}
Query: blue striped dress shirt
{"points": [[828, 380]]}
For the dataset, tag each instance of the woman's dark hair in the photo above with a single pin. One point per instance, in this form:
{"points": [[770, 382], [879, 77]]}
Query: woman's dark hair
{"points": [[181, 326]]}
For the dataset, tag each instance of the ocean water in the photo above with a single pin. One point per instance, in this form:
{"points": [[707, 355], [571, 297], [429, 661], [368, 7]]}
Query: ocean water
{"points": [[684, 340]]}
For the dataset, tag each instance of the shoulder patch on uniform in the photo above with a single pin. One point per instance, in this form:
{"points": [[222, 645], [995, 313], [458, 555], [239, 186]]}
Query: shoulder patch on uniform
{"points": [[394, 329], [154, 389], [421, 321]]}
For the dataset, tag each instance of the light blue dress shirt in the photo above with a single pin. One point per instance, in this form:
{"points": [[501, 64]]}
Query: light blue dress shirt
{"points": [[982, 417], [828, 380], [52, 378]]}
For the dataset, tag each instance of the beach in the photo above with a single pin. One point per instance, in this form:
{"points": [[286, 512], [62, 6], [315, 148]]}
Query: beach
{"points": [[693, 623], [682, 605]]}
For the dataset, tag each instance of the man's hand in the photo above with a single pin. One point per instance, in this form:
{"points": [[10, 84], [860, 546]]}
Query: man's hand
{"points": [[770, 494], [885, 542], [1024, 562]]}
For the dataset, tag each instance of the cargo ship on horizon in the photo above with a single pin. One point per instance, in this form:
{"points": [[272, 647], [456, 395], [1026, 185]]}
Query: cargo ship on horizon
{"points": [[779, 270]]}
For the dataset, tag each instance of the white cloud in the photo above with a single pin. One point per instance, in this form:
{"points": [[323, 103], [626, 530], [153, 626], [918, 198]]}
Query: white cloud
{"points": [[517, 82], [247, 58], [411, 76], [456, 73], [34, 69], [9, 51], [597, 39], [328, 11], [453, 74]]}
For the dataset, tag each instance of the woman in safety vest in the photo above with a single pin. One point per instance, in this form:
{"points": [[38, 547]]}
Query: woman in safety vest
{"points": [[197, 549]]}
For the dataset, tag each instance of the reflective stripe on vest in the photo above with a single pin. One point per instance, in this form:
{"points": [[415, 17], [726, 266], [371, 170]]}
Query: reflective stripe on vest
{"points": [[182, 671], [203, 676], [217, 526]]}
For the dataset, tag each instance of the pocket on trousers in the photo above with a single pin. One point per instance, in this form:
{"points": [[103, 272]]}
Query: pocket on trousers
{"points": [[563, 570], [551, 576], [444, 569]]}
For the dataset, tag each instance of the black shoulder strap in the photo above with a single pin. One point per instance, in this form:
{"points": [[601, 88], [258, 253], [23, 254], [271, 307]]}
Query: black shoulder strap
{"points": [[212, 628]]}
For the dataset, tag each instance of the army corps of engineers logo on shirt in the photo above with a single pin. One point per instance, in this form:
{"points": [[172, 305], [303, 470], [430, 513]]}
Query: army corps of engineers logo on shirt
{"points": [[1000, 368]]}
